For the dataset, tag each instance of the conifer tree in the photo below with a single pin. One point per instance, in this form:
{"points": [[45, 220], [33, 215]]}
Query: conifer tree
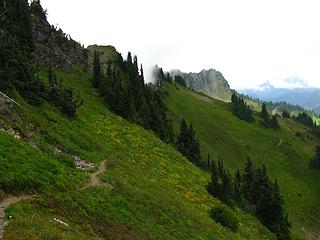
{"points": [[182, 138], [305, 119], [209, 161], [96, 70], [264, 113], [315, 161], [271, 213], [214, 185], [187, 144], [248, 180], [241, 109], [221, 184], [17, 61], [259, 184], [238, 194], [285, 114], [178, 79], [273, 123]]}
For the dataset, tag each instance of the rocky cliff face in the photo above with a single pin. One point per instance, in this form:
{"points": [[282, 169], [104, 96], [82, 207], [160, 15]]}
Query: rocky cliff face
{"points": [[209, 82], [55, 48], [108, 55]]}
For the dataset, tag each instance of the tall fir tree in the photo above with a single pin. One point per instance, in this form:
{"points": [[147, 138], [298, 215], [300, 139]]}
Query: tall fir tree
{"points": [[248, 180], [188, 144], [241, 109], [238, 193], [273, 122], [264, 113], [17, 58], [315, 161], [127, 95], [96, 71]]}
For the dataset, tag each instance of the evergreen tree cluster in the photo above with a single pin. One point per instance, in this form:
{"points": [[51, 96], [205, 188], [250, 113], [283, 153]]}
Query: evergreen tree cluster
{"points": [[63, 98], [124, 89], [17, 59], [187, 143], [178, 79], [18, 66], [252, 191], [241, 109], [305, 119], [269, 122], [315, 161], [161, 77], [285, 114]]}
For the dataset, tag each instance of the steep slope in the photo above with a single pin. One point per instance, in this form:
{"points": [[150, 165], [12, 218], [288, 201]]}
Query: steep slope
{"points": [[147, 191], [54, 47], [286, 153], [209, 82]]}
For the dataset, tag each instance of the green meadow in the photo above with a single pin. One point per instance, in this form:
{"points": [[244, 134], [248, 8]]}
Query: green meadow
{"points": [[148, 189], [286, 152]]}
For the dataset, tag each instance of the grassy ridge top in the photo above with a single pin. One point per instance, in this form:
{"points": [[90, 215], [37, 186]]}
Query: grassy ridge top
{"points": [[286, 153], [152, 191]]}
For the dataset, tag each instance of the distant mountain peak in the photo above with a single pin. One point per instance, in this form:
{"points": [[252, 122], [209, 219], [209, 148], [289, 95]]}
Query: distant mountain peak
{"points": [[210, 82]]}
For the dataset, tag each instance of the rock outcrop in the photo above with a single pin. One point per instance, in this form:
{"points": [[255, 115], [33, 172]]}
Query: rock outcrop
{"points": [[209, 82], [54, 47], [108, 55]]}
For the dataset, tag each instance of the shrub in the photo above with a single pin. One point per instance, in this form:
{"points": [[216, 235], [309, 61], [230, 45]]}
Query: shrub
{"points": [[225, 216]]}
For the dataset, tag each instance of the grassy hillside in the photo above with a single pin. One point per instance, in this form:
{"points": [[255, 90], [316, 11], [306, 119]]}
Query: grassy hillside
{"points": [[286, 153], [149, 190]]}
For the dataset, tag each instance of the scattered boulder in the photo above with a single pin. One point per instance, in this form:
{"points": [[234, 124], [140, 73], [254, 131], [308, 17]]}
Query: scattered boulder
{"points": [[58, 221], [80, 164]]}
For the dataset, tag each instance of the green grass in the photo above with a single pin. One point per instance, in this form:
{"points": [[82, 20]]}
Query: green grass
{"points": [[286, 155], [153, 193]]}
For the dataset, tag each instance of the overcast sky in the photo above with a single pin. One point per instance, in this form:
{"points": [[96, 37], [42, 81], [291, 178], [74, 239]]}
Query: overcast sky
{"points": [[249, 41]]}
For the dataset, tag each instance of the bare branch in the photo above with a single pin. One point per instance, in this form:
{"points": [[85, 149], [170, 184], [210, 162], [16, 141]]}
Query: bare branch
{"points": [[3, 13], [4, 95]]}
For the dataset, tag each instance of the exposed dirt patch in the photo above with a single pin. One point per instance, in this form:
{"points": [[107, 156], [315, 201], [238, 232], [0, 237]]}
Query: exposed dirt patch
{"points": [[5, 204], [94, 180]]}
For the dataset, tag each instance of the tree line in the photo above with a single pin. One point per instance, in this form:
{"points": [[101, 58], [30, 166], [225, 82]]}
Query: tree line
{"points": [[18, 65], [241, 109], [253, 191], [17, 61], [315, 161], [124, 90], [187, 143], [267, 121]]}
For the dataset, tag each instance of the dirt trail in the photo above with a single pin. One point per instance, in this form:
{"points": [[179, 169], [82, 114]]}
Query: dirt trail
{"points": [[6, 203], [94, 180]]}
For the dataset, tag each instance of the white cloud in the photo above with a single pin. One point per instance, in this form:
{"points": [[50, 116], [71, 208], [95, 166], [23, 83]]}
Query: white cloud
{"points": [[249, 41]]}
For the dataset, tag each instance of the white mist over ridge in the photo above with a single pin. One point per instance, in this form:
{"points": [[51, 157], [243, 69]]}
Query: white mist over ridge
{"points": [[249, 41], [288, 83]]}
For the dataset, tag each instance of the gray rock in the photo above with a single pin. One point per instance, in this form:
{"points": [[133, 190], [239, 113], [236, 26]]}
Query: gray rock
{"points": [[56, 49], [209, 82]]}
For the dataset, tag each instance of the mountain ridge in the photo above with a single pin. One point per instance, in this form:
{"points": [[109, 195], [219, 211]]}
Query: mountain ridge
{"points": [[210, 82], [308, 98], [146, 188]]}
